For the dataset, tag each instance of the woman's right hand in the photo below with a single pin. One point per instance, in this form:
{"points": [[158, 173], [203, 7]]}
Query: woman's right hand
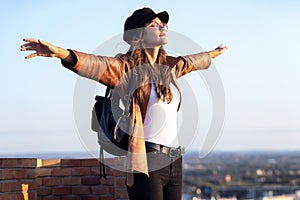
{"points": [[43, 48]]}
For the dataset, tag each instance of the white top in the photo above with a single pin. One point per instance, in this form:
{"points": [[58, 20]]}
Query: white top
{"points": [[160, 124]]}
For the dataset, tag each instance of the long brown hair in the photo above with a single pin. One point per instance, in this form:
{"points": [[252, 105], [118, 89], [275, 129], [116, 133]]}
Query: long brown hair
{"points": [[159, 73]]}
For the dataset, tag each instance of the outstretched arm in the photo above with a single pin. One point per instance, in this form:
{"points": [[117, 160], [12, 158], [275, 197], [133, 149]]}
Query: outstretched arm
{"points": [[106, 70], [198, 61], [46, 49]]}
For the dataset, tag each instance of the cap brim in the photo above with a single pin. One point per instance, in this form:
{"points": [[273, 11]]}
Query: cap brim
{"points": [[163, 16]]}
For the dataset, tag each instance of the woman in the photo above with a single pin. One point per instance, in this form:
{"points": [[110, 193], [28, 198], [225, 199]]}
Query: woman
{"points": [[154, 160]]}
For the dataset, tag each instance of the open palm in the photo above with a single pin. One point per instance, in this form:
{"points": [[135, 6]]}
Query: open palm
{"points": [[40, 47]]}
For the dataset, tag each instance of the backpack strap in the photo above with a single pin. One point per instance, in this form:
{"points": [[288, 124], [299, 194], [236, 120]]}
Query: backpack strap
{"points": [[102, 173], [107, 92], [101, 164]]}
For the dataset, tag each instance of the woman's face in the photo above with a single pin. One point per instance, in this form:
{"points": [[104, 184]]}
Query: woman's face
{"points": [[155, 33]]}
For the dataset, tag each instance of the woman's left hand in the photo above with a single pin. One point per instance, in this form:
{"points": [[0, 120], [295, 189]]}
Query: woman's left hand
{"points": [[218, 51]]}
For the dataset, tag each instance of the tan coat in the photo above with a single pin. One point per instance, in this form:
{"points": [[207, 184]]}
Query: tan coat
{"points": [[109, 71]]}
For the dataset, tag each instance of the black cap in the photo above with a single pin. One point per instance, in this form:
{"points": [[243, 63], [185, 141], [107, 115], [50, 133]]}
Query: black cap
{"points": [[138, 19]]}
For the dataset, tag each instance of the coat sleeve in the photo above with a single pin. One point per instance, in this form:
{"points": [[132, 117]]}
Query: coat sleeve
{"points": [[189, 63], [106, 70]]}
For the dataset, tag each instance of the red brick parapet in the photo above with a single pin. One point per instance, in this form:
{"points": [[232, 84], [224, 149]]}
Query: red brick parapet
{"points": [[60, 179]]}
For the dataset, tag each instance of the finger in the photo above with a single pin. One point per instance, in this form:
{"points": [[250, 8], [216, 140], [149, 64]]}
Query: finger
{"points": [[43, 43], [31, 40], [31, 55], [26, 44], [28, 49], [222, 48], [29, 44]]}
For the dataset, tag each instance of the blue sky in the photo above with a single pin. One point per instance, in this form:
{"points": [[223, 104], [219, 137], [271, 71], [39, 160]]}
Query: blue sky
{"points": [[260, 71]]}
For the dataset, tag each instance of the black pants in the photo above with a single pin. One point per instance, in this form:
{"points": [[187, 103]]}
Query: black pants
{"points": [[164, 182]]}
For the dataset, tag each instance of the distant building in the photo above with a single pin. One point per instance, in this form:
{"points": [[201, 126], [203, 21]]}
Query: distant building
{"points": [[227, 178]]}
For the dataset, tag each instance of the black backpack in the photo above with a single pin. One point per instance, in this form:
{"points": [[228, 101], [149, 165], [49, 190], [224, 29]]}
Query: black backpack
{"points": [[108, 121]]}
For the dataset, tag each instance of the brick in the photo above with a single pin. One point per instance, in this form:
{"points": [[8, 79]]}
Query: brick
{"points": [[108, 181], [90, 197], [90, 180], [14, 192], [120, 193], [39, 181], [51, 181], [11, 196], [27, 162], [95, 171], [10, 186], [81, 190], [107, 198], [32, 185], [119, 182], [114, 162], [26, 174], [109, 171], [61, 190], [73, 197], [42, 172], [70, 162], [32, 195], [81, 171], [102, 190], [17, 174], [50, 197], [61, 172], [118, 173], [17, 163], [18, 196], [8, 163], [43, 191], [71, 181], [7, 174], [49, 163], [89, 163]]}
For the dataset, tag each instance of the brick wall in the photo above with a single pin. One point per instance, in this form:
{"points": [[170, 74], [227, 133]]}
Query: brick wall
{"points": [[14, 173], [60, 179]]}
